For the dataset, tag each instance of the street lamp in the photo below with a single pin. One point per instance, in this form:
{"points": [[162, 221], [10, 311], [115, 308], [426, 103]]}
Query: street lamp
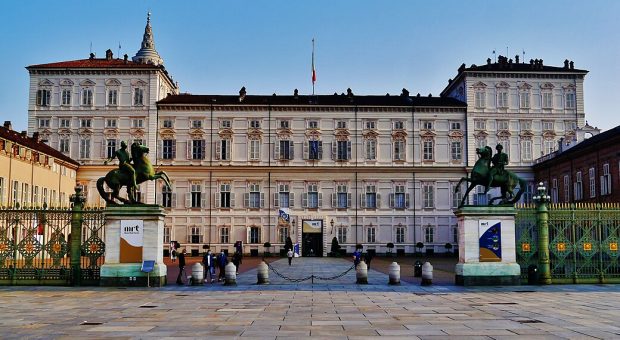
{"points": [[542, 220], [331, 223]]}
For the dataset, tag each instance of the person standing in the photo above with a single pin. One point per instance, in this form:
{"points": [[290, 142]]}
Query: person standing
{"points": [[237, 260], [208, 261], [181, 258], [221, 263], [357, 255], [368, 258], [289, 254]]}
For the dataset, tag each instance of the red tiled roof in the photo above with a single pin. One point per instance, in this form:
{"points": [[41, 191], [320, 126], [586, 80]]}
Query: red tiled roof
{"points": [[33, 144], [95, 63]]}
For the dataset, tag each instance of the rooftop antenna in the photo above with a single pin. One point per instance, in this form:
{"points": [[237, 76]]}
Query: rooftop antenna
{"points": [[91, 47], [523, 55], [494, 56], [119, 50], [506, 51]]}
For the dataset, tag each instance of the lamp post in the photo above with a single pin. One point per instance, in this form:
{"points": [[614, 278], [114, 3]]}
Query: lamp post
{"points": [[542, 220], [331, 223]]}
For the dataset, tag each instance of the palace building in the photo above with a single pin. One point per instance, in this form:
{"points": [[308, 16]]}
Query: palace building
{"points": [[365, 169]]}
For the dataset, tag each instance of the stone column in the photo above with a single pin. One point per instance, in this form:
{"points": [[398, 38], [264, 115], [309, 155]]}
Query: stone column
{"points": [[77, 200]]}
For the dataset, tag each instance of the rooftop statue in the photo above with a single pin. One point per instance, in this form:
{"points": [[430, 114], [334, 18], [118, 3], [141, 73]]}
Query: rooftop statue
{"points": [[130, 173], [490, 173]]}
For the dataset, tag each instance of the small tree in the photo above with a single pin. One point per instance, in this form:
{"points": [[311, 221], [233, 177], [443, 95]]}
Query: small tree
{"points": [[335, 249], [419, 246], [267, 246], [448, 246], [390, 246]]}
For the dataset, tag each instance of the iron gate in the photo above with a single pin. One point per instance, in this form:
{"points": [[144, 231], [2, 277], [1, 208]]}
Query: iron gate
{"points": [[35, 246], [583, 242]]}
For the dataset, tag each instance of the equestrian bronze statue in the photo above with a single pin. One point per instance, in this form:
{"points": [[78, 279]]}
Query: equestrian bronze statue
{"points": [[130, 173], [490, 173]]}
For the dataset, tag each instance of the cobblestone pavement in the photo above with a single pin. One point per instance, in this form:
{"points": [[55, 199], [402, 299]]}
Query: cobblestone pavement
{"points": [[340, 309]]}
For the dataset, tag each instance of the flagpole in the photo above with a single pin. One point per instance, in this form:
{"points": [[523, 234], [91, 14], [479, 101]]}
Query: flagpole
{"points": [[313, 72]]}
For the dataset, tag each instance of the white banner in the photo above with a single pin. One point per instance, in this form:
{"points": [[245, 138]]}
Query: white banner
{"points": [[132, 231]]}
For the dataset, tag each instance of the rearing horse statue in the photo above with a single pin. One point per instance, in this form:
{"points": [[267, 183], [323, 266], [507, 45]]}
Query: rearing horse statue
{"points": [[480, 176], [116, 179]]}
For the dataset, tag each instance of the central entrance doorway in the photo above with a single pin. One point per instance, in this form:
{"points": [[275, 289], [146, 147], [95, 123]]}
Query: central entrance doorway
{"points": [[312, 238]]}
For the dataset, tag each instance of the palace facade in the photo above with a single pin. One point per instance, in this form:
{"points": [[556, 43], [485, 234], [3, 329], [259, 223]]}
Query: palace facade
{"points": [[368, 170]]}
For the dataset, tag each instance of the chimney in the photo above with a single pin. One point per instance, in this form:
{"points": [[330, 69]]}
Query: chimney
{"points": [[242, 94], [296, 94], [517, 59], [349, 93], [125, 57], [572, 65], [566, 63], [36, 137], [24, 134], [405, 92], [541, 63], [488, 61], [108, 54], [92, 56], [8, 125]]}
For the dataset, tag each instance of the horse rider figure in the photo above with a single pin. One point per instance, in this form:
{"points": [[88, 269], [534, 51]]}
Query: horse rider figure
{"points": [[124, 163], [499, 160]]}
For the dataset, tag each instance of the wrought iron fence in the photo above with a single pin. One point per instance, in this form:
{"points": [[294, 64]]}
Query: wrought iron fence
{"points": [[35, 246], [583, 242]]}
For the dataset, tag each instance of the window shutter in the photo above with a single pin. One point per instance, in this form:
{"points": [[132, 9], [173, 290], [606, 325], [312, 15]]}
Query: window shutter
{"points": [[246, 200], [160, 149], [320, 204], [174, 148], [217, 144], [228, 150], [203, 199], [247, 235], [103, 149], [391, 200], [602, 185], [349, 150], [291, 149], [349, 200], [216, 198], [232, 199], [276, 199], [188, 149], [306, 149], [406, 200], [203, 149], [363, 200], [276, 149], [188, 199], [262, 200], [320, 150], [291, 199], [174, 200], [159, 199], [378, 200], [334, 150], [334, 200], [304, 200]]}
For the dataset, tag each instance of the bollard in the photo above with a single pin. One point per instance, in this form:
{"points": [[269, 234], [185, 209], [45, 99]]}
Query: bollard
{"points": [[417, 269], [394, 273], [262, 274], [427, 274], [361, 273], [230, 275], [197, 274]]}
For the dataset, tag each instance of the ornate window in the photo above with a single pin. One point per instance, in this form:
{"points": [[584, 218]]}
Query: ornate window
{"points": [[224, 235], [86, 123], [480, 124], [549, 146], [254, 199], [112, 97], [65, 123], [195, 235], [138, 96], [370, 149], [223, 149], [371, 233], [196, 124], [198, 149], [479, 99], [429, 234], [255, 124], [592, 178], [341, 150], [370, 198], [399, 199], [167, 197], [341, 199], [502, 99], [64, 143], [370, 124], [84, 147], [547, 100], [526, 149], [254, 235], [225, 124], [428, 192], [283, 198], [427, 125], [195, 198], [284, 149], [110, 123], [399, 149], [44, 97], [87, 96], [254, 149], [456, 150], [399, 125], [137, 123], [224, 198], [44, 123], [428, 149], [455, 126], [169, 148], [313, 124], [110, 148], [578, 187], [400, 234], [312, 198]]}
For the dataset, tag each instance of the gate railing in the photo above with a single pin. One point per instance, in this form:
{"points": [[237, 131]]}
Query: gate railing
{"points": [[583, 242], [35, 246]]}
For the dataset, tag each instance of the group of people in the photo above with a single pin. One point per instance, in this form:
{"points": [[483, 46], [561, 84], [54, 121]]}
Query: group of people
{"points": [[357, 258], [209, 263]]}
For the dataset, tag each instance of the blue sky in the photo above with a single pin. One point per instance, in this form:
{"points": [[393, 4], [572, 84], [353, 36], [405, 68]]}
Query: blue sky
{"points": [[373, 47]]}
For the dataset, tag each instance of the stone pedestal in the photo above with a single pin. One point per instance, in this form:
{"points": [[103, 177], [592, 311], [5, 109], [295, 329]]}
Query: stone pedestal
{"points": [[142, 239], [487, 253]]}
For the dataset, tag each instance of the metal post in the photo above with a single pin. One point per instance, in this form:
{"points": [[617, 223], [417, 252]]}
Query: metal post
{"points": [[77, 201], [542, 220]]}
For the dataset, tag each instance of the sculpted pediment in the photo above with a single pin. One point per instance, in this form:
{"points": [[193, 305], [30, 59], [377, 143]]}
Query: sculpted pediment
{"points": [[342, 133], [313, 133], [196, 133], [45, 82], [502, 84], [428, 134], [548, 134], [136, 132], [525, 86], [370, 134], [569, 87], [399, 134], [64, 132], [226, 132], [455, 134], [85, 131], [138, 82], [257, 133], [503, 134], [481, 134], [547, 86], [110, 132], [479, 85], [113, 82], [66, 82], [87, 82], [526, 134]]}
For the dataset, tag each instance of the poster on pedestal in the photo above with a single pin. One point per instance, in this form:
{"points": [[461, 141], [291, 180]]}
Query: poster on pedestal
{"points": [[490, 240], [132, 237]]}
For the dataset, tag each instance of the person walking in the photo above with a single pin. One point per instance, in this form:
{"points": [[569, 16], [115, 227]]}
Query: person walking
{"points": [[289, 254], [368, 258], [237, 261], [181, 258], [208, 261], [357, 255], [221, 263]]}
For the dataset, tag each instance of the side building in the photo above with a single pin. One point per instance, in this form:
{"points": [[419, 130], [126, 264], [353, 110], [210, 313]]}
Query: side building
{"points": [[32, 174], [585, 172]]}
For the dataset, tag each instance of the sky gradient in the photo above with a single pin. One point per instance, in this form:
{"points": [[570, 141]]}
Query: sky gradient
{"points": [[373, 47]]}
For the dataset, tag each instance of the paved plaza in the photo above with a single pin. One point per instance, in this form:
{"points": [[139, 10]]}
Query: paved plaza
{"points": [[323, 309]]}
